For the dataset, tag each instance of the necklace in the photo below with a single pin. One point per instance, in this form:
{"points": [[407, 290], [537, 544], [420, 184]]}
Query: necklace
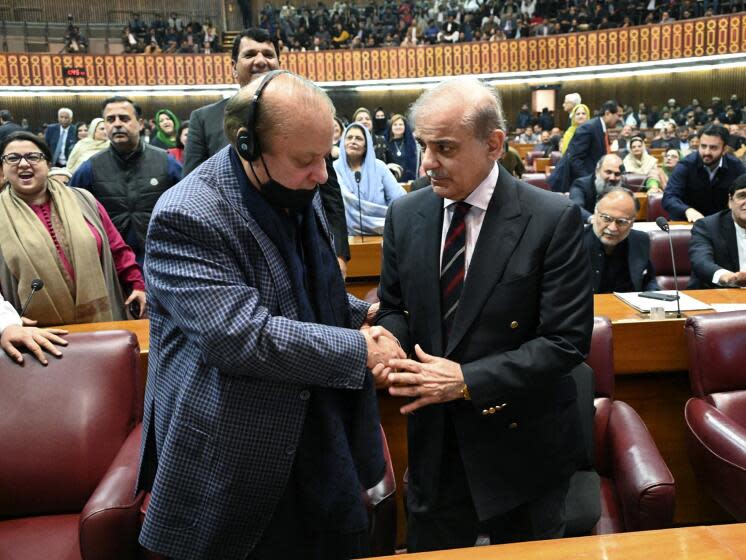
{"points": [[398, 146]]}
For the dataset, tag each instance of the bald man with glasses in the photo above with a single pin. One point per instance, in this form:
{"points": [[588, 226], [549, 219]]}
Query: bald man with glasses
{"points": [[620, 255]]}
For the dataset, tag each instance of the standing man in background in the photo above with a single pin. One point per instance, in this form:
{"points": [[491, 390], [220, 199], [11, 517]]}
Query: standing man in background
{"points": [[61, 137]]}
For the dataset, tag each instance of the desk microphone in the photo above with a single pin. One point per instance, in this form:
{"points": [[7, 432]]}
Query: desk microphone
{"points": [[358, 177], [662, 223], [36, 285]]}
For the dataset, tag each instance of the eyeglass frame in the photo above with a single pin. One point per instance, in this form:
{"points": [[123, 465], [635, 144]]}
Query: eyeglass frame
{"points": [[40, 155], [620, 222]]}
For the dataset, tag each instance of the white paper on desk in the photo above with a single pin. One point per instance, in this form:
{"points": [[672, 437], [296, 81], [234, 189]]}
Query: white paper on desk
{"points": [[652, 226], [725, 307], [688, 303]]}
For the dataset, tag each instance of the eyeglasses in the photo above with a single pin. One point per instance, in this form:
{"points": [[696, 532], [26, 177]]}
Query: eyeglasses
{"points": [[620, 222], [31, 157]]}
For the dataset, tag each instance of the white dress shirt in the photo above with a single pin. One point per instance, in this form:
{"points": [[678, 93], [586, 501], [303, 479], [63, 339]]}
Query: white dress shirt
{"points": [[63, 141], [741, 244], [8, 315], [479, 200]]}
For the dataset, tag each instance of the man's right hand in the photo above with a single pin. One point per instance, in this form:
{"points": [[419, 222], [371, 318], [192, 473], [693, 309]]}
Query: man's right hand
{"points": [[693, 215], [733, 279], [34, 339], [382, 346]]}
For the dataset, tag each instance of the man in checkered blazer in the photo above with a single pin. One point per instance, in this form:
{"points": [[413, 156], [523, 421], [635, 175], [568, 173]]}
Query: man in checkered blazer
{"points": [[261, 426]]}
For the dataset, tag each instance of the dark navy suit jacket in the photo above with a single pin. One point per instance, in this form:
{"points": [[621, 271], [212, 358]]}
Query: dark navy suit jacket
{"points": [[52, 136], [585, 149], [713, 246]]}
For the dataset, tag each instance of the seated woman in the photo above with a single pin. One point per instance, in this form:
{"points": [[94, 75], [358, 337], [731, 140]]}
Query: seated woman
{"points": [[96, 141], [670, 159], [401, 148], [639, 161], [63, 237], [367, 185]]}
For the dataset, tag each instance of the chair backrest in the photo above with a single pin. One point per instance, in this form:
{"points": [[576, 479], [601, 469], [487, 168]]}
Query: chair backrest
{"points": [[62, 425], [717, 353], [601, 357], [531, 156], [536, 179], [655, 207], [633, 181], [554, 157], [660, 256]]}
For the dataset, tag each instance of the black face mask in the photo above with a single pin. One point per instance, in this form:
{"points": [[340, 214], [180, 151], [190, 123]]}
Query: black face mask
{"points": [[279, 195]]}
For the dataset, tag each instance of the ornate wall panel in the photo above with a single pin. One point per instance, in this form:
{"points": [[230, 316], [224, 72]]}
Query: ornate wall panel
{"points": [[692, 38]]}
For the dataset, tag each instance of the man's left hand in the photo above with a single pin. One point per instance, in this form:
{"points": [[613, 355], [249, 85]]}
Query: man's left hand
{"points": [[431, 380], [370, 316]]}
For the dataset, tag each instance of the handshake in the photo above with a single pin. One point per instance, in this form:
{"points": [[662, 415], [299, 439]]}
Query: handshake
{"points": [[382, 347]]}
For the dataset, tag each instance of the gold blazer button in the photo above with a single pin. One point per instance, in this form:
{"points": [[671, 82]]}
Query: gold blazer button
{"points": [[513, 425], [514, 324]]}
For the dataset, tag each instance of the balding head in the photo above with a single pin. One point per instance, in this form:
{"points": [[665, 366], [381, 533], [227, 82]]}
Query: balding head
{"points": [[614, 215], [459, 124], [288, 105]]}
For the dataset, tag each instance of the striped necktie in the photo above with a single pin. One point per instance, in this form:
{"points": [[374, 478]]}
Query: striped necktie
{"points": [[453, 266]]}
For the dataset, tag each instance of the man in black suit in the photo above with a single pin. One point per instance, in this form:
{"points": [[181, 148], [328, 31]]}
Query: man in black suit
{"points": [[486, 284], [717, 250], [585, 191], [588, 144], [620, 256]]}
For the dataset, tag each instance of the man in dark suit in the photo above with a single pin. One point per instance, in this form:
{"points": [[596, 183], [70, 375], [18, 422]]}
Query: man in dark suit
{"points": [[261, 424], [61, 137], [6, 124], [588, 144], [620, 256], [486, 284], [698, 185], [254, 55], [717, 250], [585, 191]]}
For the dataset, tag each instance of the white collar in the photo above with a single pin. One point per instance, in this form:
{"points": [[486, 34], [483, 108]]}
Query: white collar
{"points": [[480, 197]]}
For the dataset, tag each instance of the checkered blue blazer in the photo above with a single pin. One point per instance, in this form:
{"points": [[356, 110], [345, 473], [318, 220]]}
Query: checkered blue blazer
{"points": [[229, 369]]}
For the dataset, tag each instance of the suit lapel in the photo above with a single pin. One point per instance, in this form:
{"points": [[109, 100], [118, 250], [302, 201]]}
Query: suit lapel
{"points": [[501, 230], [426, 235], [728, 232]]}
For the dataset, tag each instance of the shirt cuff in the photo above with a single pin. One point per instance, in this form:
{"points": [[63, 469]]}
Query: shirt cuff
{"points": [[717, 275], [8, 316]]}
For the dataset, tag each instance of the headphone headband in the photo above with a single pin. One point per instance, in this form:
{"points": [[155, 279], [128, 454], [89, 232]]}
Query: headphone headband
{"points": [[247, 143]]}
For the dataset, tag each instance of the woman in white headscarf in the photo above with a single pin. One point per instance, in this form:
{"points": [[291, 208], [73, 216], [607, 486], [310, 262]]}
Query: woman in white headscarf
{"points": [[96, 141], [367, 185]]}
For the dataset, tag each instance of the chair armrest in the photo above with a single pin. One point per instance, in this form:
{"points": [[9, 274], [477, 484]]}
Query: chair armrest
{"points": [[717, 450], [109, 521], [645, 485]]}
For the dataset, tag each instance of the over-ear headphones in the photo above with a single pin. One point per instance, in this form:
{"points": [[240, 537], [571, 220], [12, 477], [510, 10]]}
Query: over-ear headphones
{"points": [[247, 143]]}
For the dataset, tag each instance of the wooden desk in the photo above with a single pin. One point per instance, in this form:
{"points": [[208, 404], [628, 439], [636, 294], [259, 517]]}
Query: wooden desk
{"points": [[722, 542], [364, 268], [642, 212]]}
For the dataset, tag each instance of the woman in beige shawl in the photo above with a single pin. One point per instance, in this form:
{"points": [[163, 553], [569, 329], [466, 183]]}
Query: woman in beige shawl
{"points": [[639, 161], [63, 237], [96, 141]]}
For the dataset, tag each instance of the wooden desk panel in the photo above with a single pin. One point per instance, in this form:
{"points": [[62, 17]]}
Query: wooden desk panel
{"points": [[725, 542]]}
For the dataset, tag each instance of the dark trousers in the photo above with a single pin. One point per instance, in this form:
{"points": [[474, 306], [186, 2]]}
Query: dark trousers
{"points": [[452, 521]]}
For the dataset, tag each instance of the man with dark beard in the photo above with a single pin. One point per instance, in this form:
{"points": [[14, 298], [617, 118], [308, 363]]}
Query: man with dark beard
{"points": [[586, 190]]}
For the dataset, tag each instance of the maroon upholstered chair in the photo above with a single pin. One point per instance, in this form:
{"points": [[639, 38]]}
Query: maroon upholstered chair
{"points": [[70, 442], [530, 157], [633, 181], [660, 256], [655, 207], [536, 179], [716, 415], [637, 488], [554, 157]]}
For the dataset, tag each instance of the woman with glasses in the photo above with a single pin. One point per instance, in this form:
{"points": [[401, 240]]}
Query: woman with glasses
{"points": [[63, 237]]}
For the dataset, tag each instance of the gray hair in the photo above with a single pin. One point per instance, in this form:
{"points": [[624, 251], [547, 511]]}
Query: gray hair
{"points": [[65, 110], [573, 98], [486, 114]]}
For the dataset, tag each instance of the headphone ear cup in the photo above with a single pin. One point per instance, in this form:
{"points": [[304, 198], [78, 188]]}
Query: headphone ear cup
{"points": [[245, 146]]}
